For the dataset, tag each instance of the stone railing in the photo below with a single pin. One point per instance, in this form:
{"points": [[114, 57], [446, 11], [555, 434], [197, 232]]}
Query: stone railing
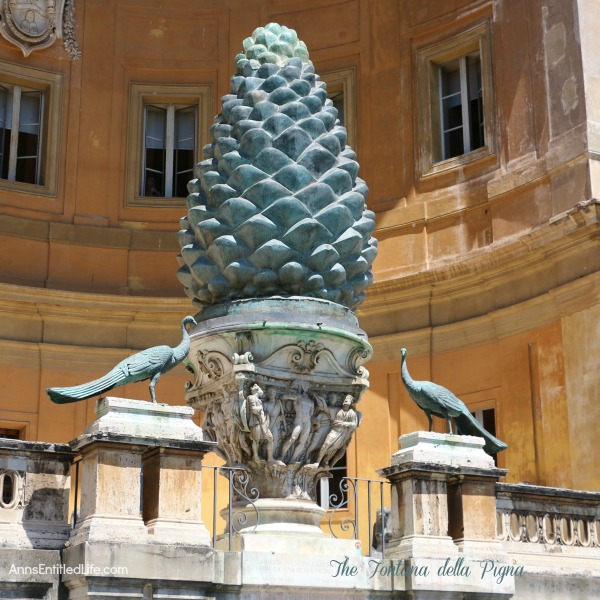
{"points": [[532, 514]]}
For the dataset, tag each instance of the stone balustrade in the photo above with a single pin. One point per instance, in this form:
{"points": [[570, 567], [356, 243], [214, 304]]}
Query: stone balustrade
{"points": [[533, 514]]}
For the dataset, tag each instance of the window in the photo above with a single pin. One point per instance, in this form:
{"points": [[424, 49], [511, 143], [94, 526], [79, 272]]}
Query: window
{"points": [[29, 129], [461, 104], [332, 492], [341, 91], [486, 417], [11, 434], [455, 122], [21, 112], [169, 149], [169, 126]]}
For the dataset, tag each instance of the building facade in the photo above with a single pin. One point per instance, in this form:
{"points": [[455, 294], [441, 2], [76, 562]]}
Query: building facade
{"points": [[476, 127]]}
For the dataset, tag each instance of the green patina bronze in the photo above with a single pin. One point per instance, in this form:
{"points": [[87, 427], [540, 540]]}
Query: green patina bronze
{"points": [[277, 208], [147, 364]]}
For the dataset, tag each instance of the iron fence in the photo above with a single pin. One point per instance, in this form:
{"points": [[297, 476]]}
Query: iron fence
{"points": [[356, 507]]}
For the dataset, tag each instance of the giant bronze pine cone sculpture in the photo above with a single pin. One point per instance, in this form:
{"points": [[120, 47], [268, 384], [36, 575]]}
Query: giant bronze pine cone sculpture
{"points": [[278, 208]]}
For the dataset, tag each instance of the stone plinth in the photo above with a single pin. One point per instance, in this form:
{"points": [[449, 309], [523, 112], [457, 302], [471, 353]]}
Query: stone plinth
{"points": [[172, 505], [114, 505], [443, 513], [34, 494]]}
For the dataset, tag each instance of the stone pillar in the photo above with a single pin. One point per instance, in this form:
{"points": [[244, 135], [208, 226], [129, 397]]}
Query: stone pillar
{"points": [[443, 515], [127, 435], [110, 476], [140, 479], [172, 493], [34, 516]]}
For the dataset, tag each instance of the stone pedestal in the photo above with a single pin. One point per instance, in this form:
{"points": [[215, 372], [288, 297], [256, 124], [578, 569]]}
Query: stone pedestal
{"points": [[172, 506], [443, 514], [115, 506], [277, 381]]}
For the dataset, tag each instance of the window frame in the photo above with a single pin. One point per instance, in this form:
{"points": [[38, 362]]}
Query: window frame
{"points": [[429, 60], [141, 95], [344, 81], [51, 86]]}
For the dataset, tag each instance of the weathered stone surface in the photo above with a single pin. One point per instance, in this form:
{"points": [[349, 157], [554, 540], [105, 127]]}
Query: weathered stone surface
{"points": [[36, 512], [277, 381]]}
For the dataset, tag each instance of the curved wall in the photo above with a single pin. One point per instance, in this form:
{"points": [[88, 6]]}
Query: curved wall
{"points": [[488, 269]]}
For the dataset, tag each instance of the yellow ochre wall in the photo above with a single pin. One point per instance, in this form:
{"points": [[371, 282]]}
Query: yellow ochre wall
{"points": [[488, 272]]}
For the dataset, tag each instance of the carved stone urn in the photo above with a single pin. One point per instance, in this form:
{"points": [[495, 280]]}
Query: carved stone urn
{"points": [[277, 380], [276, 254]]}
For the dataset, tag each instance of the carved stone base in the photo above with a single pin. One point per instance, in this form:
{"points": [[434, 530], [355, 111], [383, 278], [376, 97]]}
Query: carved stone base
{"points": [[268, 515], [284, 527], [169, 531]]}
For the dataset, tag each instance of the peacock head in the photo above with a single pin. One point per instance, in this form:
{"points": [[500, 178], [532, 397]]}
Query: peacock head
{"points": [[188, 321], [403, 352]]}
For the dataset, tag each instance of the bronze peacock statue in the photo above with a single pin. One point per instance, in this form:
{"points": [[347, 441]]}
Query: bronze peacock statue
{"points": [[436, 400], [147, 364]]}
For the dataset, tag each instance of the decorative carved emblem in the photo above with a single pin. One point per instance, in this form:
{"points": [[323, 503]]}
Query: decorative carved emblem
{"points": [[209, 365], [305, 357], [36, 24]]}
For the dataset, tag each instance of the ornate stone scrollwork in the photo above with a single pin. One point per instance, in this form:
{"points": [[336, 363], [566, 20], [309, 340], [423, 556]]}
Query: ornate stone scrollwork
{"points": [[356, 357], [209, 364], [304, 358], [284, 405]]}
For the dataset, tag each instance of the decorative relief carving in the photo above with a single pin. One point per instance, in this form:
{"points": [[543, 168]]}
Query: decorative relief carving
{"points": [[280, 402], [545, 528], [305, 357], [36, 24], [242, 359], [69, 40], [356, 357], [209, 365]]}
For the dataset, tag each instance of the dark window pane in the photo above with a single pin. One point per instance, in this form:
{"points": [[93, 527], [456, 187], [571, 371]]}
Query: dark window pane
{"points": [[452, 112], [154, 184], [26, 169], [338, 103], [4, 96], [489, 421], [5, 153], [475, 101], [453, 143]]}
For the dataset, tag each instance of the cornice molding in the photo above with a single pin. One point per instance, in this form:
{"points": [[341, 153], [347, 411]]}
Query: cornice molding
{"points": [[502, 274]]}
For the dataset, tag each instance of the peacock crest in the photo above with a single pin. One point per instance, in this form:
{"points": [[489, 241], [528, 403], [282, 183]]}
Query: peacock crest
{"points": [[277, 207]]}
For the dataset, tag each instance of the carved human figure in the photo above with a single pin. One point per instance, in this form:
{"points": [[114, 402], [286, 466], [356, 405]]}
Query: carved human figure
{"points": [[274, 411], [258, 424], [215, 423], [233, 434], [321, 424], [344, 421], [304, 408]]}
